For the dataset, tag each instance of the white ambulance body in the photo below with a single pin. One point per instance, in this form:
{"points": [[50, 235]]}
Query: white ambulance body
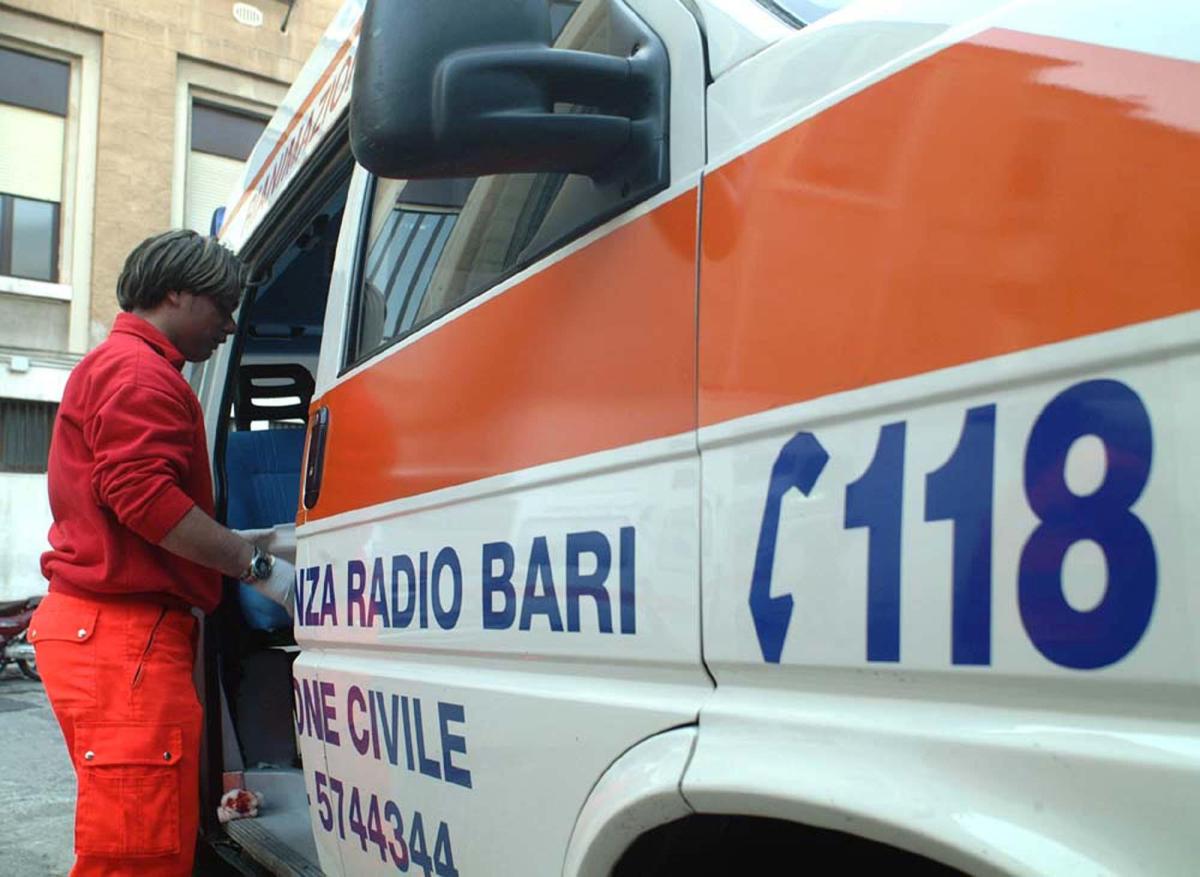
{"points": [[809, 484]]}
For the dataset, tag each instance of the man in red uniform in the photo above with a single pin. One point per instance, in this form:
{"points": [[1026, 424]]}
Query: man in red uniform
{"points": [[133, 548]]}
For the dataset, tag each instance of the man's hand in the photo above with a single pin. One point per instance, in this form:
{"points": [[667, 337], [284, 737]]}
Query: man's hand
{"points": [[280, 586], [201, 539], [277, 541]]}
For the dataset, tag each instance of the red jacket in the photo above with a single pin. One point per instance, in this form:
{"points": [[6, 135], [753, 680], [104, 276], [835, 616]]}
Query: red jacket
{"points": [[128, 460]]}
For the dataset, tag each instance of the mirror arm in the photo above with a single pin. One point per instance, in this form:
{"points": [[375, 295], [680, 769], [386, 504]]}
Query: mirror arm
{"points": [[523, 83], [559, 75], [564, 142]]}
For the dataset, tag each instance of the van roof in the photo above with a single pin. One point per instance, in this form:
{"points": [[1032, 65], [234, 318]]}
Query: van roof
{"points": [[309, 112]]}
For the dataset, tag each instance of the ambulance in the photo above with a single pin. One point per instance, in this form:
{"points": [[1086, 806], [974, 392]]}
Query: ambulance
{"points": [[718, 437]]}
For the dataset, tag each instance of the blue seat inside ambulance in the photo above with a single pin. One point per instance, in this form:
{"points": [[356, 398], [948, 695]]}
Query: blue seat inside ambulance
{"points": [[263, 467]]}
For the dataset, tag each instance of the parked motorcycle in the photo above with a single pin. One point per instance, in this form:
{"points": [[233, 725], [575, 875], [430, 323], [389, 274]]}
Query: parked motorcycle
{"points": [[14, 628]]}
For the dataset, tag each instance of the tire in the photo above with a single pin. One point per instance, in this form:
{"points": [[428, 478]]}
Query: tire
{"points": [[29, 668]]}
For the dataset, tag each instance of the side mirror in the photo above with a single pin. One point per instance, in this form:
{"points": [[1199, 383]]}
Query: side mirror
{"points": [[458, 88]]}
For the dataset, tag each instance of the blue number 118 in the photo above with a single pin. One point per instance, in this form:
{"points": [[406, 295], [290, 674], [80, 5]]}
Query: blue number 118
{"points": [[962, 491]]}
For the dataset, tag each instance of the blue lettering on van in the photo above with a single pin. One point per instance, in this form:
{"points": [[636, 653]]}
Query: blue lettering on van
{"points": [[588, 565], [497, 583], [425, 765], [329, 714], [371, 602], [452, 743], [356, 586], [590, 584], [423, 589], [566, 586], [446, 564], [402, 565], [307, 581], [329, 614], [309, 721], [316, 710], [961, 491], [377, 605], [342, 808], [798, 466], [367, 607], [377, 722], [628, 574], [546, 602]]}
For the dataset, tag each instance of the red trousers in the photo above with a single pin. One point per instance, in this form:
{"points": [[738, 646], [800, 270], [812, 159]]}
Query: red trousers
{"points": [[119, 678]]}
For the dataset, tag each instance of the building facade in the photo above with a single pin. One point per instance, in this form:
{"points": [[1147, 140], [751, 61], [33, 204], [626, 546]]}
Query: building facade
{"points": [[118, 119]]}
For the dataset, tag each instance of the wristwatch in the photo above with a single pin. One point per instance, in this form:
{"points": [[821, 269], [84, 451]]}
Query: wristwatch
{"points": [[259, 568]]}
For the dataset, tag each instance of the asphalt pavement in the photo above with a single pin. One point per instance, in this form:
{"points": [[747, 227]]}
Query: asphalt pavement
{"points": [[37, 784]]}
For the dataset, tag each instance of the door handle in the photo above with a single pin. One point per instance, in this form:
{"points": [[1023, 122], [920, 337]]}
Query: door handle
{"points": [[315, 467]]}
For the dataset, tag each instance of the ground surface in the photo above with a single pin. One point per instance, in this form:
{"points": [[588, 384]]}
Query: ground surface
{"points": [[37, 785]]}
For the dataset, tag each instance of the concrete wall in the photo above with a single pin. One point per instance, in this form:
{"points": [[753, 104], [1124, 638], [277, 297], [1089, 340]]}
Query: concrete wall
{"points": [[25, 511], [24, 506], [33, 323]]}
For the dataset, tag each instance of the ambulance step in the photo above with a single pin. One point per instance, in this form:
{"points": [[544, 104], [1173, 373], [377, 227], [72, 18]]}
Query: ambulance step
{"points": [[280, 837]]}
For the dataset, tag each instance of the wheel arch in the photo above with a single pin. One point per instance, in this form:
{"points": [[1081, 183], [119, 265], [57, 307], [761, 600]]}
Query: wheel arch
{"points": [[637, 821], [638, 793]]}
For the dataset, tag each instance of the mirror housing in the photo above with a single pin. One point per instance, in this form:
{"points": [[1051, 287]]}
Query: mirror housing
{"points": [[458, 88]]}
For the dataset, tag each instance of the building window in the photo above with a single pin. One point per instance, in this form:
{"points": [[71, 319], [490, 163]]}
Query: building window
{"points": [[221, 141], [25, 428], [33, 110], [28, 238]]}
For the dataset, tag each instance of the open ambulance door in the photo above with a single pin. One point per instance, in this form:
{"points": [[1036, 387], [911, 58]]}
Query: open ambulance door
{"points": [[262, 388]]}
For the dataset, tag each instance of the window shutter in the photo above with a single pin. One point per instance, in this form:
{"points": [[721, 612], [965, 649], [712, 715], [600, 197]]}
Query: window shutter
{"points": [[31, 153], [210, 179], [25, 428]]}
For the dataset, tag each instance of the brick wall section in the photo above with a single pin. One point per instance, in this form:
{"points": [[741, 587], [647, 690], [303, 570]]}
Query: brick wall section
{"points": [[141, 42]]}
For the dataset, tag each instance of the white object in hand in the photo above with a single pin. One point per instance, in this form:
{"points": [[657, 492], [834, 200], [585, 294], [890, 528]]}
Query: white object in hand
{"points": [[280, 586], [277, 541]]}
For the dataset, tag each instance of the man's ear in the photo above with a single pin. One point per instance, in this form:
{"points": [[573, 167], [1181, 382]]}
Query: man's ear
{"points": [[174, 298]]}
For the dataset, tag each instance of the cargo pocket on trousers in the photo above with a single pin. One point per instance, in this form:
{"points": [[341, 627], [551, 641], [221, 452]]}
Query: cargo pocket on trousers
{"points": [[62, 636], [128, 802]]}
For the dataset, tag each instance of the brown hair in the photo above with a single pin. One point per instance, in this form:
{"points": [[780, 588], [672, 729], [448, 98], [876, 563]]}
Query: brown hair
{"points": [[184, 261]]}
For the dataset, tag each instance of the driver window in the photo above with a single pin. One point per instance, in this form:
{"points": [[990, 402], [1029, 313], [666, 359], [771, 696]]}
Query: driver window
{"points": [[434, 244]]}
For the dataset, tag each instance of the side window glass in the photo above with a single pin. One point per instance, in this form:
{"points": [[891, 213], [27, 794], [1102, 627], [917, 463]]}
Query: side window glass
{"points": [[410, 225], [432, 245]]}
